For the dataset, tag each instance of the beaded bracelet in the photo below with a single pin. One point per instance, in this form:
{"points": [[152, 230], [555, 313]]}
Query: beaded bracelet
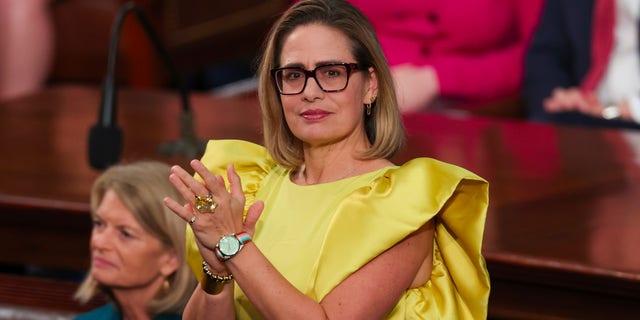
{"points": [[213, 283]]}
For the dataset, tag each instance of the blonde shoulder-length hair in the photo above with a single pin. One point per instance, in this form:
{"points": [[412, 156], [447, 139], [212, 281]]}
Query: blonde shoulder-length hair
{"points": [[141, 186], [384, 127]]}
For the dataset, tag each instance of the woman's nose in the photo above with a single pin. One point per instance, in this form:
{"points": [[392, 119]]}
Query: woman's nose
{"points": [[100, 238], [312, 88]]}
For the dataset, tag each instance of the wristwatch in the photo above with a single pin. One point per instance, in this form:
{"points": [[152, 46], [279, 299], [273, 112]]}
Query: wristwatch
{"points": [[230, 245]]}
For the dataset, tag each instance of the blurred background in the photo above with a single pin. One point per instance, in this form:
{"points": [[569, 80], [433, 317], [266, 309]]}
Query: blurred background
{"points": [[47, 42]]}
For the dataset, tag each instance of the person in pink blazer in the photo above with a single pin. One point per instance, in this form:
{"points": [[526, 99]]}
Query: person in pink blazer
{"points": [[470, 51]]}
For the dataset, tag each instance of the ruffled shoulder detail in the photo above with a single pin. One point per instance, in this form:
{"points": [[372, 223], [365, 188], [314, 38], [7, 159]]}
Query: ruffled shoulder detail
{"points": [[397, 203], [252, 163]]}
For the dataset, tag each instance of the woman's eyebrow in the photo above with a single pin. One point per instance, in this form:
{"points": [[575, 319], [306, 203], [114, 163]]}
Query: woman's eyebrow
{"points": [[319, 63]]}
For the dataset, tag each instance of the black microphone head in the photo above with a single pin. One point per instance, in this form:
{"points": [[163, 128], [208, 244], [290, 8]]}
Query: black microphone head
{"points": [[105, 145]]}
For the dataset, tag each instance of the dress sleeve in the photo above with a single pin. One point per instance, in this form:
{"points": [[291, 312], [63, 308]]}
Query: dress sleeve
{"points": [[376, 217], [252, 163]]}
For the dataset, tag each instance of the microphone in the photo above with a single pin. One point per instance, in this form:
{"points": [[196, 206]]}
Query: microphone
{"points": [[105, 137]]}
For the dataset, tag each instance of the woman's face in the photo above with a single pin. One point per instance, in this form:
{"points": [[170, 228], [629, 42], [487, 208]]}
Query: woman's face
{"points": [[321, 118], [124, 255]]}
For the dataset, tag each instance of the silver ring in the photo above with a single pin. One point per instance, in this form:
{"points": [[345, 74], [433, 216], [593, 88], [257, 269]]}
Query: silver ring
{"points": [[192, 220]]}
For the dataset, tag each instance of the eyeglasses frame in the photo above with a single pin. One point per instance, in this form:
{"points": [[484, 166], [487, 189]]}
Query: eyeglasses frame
{"points": [[351, 67]]}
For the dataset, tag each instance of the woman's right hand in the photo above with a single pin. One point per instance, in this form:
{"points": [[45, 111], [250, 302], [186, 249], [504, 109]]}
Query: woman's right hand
{"points": [[209, 227]]}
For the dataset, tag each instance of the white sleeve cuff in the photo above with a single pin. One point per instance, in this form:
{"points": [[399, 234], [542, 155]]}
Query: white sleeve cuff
{"points": [[634, 108]]}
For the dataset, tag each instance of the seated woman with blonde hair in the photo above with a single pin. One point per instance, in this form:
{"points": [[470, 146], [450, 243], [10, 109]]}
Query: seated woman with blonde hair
{"points": [[137, 246]]}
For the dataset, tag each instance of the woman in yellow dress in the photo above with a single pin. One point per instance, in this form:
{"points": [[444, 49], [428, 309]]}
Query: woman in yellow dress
{"points": [[319, 223]]}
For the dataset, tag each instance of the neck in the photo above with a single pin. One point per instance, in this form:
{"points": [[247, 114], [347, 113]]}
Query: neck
{"points": [[306, 176], [327, 163], [134, 302], [335, 161], [316, 170], [135, 314]]}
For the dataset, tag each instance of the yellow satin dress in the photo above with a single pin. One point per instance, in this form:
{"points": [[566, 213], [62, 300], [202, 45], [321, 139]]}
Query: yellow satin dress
{"points": [[317, 235]]}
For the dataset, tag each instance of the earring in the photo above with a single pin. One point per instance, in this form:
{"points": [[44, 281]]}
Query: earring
{"points": [[369, 105]]}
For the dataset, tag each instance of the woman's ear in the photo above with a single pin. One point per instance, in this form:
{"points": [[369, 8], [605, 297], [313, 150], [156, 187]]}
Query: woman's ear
{"points": [[170, 263]]}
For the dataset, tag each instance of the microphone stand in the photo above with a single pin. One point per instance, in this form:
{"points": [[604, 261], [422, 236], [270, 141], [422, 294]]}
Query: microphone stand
{"points": [[187, 144]]}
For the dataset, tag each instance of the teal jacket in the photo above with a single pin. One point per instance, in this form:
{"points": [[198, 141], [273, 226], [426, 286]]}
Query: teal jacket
{"points": [[109, 312]]}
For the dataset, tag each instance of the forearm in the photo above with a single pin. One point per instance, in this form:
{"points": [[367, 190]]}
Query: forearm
{"points": [[272, 295], [207, 306], [276, 298]]}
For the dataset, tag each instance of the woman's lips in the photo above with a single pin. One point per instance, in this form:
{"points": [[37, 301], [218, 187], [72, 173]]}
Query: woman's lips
{"points": [[102, 263], [315, 114]]}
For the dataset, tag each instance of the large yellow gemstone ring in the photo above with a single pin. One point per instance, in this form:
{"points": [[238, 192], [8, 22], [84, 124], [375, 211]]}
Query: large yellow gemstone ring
{"points": [[205, 204]]}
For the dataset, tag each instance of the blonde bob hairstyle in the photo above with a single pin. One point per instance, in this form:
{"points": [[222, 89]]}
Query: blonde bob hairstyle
{"points": [[383, 127], [141, 186]]}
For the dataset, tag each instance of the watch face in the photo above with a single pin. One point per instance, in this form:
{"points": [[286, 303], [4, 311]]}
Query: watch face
{"points": [[229, 245]]}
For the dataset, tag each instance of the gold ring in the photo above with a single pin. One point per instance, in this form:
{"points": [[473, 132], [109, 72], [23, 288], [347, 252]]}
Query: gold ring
{"points": [[192, 220], [205, 204]]}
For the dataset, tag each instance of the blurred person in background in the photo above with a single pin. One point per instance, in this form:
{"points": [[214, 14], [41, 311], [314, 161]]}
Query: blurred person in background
{"points": [[583, 66], [469, 51], [26, 46], [137, 246]]}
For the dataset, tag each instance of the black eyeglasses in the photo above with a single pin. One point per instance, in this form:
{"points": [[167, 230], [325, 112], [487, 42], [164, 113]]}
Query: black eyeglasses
{"points": [[332, 77]]}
